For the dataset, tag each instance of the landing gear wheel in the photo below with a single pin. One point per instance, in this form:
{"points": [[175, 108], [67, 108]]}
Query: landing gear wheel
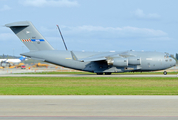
{"points": [[165, 73], [99, 73], [108, 73]]}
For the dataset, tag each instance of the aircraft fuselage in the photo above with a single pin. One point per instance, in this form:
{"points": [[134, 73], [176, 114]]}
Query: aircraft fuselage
{"points": [[137, 61]]}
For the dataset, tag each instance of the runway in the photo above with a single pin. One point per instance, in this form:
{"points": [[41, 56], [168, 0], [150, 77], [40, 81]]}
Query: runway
{"points": [[82, 75], [89, 107], [25, 73]]}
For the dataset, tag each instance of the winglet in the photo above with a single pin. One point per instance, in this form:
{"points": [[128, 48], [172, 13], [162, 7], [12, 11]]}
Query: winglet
{"points": [[73, 56]]}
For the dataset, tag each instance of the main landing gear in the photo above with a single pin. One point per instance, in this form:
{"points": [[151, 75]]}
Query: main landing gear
{"points": [[108, 73], [165, 73], [99, 73]]}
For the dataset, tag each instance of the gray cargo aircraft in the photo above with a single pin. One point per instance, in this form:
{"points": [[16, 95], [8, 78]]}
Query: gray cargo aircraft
{"points": [[96, 62]]}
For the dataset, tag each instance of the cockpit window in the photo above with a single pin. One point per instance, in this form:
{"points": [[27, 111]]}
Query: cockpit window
{"points": [[166, 55]]}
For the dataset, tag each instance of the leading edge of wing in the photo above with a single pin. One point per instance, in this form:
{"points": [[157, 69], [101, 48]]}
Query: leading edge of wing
{"points": [[91, 59]]}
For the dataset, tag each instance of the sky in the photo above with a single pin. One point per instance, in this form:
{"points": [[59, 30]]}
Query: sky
{"points": [[94, 25]]}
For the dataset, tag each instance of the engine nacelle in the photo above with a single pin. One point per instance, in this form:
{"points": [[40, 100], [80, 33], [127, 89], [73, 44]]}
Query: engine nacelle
{"points": [[118, 62], [134, 61]]}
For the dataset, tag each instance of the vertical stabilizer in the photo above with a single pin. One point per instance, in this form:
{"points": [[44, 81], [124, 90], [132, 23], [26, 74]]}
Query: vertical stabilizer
{"points": [[29, 35], [22, 58]]}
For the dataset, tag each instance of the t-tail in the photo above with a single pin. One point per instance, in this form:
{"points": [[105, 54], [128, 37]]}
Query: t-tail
{"points": [[29, 35]]}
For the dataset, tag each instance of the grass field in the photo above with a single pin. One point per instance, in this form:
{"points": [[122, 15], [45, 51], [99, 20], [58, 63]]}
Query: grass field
{"points": [[87, 86]]}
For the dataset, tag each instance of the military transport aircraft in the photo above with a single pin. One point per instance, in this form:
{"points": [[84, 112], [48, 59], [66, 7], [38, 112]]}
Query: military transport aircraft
{"points": [[96, 62]]}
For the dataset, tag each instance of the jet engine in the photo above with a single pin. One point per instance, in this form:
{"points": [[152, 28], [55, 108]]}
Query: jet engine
{"points": [[118, 62], [134, 61]]}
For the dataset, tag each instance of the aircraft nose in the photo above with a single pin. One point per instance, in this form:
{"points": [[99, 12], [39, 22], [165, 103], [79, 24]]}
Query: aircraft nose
{"points": [[173, 62]]}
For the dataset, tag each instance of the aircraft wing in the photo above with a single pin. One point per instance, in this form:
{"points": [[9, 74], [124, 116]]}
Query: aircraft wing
{"points": [[98, 57], [94, 58], [101, 56]]}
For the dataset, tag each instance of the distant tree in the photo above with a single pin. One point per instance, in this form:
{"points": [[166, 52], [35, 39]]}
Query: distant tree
{"points": [[173, 56]]}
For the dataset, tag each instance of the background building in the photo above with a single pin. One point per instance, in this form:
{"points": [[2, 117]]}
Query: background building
{"points": [[177, 56]]}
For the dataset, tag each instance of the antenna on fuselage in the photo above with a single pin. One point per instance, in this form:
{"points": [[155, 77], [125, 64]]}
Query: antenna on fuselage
{"points": [[62, 37]]}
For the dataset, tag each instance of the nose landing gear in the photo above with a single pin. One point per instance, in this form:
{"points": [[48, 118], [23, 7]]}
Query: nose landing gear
{"points": [[165, 73]]}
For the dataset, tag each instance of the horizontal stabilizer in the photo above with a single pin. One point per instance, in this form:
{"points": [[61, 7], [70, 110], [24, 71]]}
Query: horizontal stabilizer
{"points": [[18, 24]]}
